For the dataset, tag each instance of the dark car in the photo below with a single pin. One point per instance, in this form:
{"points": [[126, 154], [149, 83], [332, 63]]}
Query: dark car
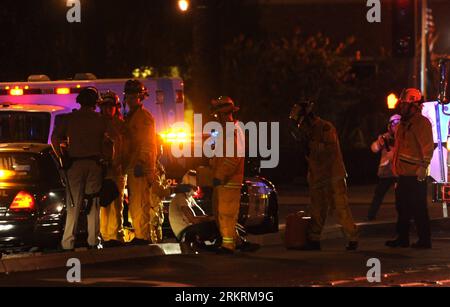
{"points": [[32, 197], [33, 210]]}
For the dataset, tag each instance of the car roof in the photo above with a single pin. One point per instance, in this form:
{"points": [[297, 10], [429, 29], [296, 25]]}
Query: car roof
{"points": [[24, 147], [18, 107]]}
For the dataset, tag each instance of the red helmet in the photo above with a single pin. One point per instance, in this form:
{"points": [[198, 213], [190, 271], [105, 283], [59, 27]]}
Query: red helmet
{"points": [[411, 95], [223, 104]]}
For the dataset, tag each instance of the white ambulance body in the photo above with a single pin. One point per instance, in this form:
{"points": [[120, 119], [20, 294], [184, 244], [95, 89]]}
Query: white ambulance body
{"points": [[429, 111], [28, 109]]}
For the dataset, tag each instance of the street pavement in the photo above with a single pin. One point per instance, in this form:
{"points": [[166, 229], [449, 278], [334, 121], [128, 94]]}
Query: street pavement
{"points": [[273, 265]]}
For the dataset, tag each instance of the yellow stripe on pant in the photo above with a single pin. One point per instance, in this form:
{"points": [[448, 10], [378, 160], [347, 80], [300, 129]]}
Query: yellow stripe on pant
{"points": [[226, 203]]}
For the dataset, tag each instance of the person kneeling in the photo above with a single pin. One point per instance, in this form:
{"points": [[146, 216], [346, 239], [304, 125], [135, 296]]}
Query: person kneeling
{"points": [[191, 225]]}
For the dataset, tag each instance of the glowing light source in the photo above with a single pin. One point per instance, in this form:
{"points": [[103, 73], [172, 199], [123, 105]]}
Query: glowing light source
{"points": [[63, 91], [392, 101], [5, 174], [183, 5], [16, 91], [23, 201], [175, 136]]}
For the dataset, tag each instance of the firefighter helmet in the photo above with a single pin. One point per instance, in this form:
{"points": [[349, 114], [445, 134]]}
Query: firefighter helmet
{"points": [[88, 96], [223, 104], [411, 95], [110, 98], [135, 86], [190, 178]]}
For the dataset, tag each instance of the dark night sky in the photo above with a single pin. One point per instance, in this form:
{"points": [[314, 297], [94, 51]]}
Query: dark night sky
{"points": [[117, 36]]}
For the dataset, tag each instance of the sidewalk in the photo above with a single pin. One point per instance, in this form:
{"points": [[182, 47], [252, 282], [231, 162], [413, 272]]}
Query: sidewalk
{"points": [[360, 198]]}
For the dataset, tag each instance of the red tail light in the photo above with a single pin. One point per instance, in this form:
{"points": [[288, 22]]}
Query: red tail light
{"points": [[179, 96], [198, 194], [23, 201]]}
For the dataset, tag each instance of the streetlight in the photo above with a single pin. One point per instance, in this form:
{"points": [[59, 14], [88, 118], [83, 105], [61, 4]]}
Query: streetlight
{"points": [[392, 101], [183, 5]]}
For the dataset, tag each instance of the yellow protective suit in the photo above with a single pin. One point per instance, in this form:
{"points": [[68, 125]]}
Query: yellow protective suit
{"points": [[140, 164], [227, 195], [160, 190], [111, 217], [327, 181]]}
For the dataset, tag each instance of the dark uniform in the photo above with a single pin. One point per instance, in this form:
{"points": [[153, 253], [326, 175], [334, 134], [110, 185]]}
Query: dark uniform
{"points": [[85, 131]]}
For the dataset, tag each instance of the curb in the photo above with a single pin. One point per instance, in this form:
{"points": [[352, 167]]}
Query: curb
{"points": [[366, 229], [39, 261]]}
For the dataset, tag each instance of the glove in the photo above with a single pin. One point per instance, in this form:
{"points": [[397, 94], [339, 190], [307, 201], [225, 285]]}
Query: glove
{"points": [[139, 171], [422, 174], [216, 182]]}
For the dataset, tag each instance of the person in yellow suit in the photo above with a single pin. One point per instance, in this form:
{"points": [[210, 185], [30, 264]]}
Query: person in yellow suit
{"points": [[228, 175], [111, 219], [160, 190], [139, 159], [326, 175]]}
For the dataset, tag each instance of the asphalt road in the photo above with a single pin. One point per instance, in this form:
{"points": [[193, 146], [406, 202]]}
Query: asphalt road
{"points": [[269, 267], [273, 266]]}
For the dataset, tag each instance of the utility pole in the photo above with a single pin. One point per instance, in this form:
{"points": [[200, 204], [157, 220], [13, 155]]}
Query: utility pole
{"points": [[423, 53]]}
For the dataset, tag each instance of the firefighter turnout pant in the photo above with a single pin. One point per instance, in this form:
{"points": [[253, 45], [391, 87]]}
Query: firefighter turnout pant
{"points": [[328, 196], [156, 220], [111, 217], [139, 205], [84, 179], [226, 204]]}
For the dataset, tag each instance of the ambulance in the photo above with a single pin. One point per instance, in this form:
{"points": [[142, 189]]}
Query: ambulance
{"points": [[28, 109]]}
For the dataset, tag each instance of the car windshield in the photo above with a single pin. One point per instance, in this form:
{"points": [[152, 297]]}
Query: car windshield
{"points": [[24, 127], [18, 167]]}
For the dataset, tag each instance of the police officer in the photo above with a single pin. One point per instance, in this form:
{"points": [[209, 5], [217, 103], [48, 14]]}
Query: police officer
{"points": [[326, 174], [228, 174], [111, 217], [413, 151], [85, 132], [139, 159]]}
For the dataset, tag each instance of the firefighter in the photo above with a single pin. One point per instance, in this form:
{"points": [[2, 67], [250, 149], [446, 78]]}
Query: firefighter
{"points": [[160, 190], [326, 174], [228, 175], [386, 178], [413, 151], [111, 218], [85, 132], [139, 159]]}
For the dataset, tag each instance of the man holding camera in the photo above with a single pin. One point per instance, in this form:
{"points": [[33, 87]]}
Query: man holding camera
{"points": [[385, 145]]}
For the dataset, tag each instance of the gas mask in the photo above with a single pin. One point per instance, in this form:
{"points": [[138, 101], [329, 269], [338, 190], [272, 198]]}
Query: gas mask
{"points": [[297, 118]]}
